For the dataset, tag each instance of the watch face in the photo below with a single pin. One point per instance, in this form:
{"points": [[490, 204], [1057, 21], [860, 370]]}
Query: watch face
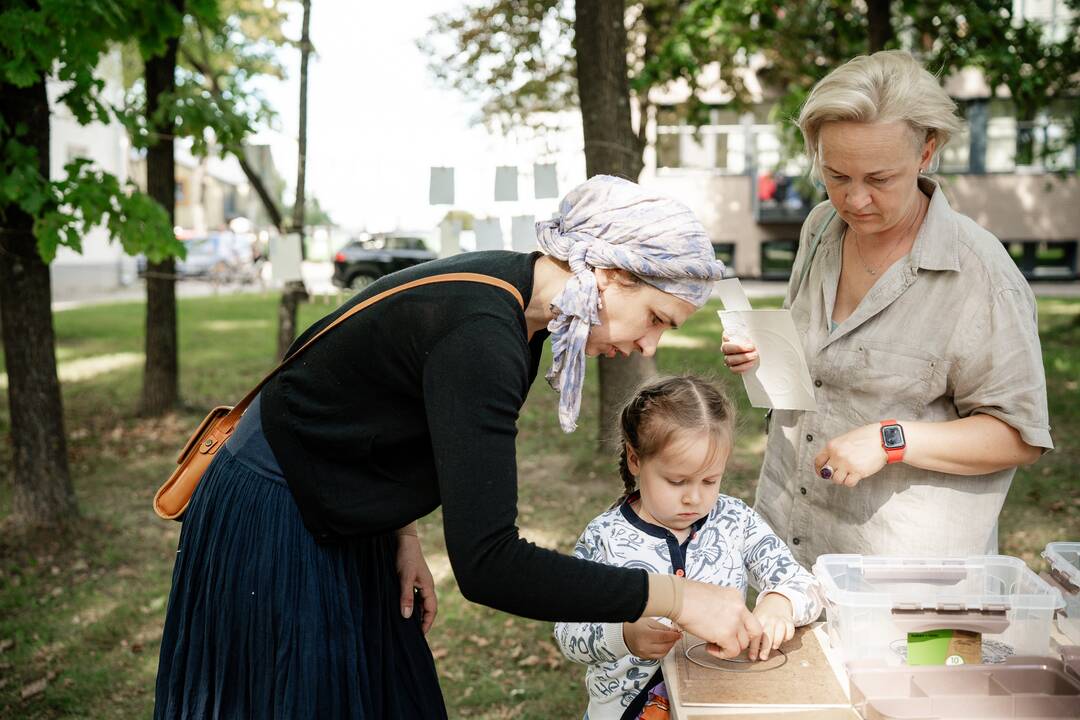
{"points": [[892, 436]]}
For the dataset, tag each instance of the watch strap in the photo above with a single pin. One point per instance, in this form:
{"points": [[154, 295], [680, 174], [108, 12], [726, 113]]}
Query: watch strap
{"points": [[892, 455]]}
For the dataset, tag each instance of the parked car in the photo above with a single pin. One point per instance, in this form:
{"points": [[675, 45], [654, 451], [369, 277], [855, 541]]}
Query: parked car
{"points": [[363, 261], [221, 257]]}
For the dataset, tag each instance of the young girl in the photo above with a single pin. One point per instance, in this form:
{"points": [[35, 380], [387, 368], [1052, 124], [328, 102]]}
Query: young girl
{"points": [[676, 440]]}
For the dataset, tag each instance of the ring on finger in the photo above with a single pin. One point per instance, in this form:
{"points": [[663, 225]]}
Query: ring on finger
{"points": [[826, 472]]}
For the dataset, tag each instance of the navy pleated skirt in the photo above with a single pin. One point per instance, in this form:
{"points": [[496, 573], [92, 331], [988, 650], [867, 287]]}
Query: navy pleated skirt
{"points": [[263, 622]]}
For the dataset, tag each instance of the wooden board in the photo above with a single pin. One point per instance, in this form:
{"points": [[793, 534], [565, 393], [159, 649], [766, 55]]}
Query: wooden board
{"points": [[805, 680]]}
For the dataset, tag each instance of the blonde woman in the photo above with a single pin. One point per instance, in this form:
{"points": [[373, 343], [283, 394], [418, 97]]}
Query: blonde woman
{"points": [[920, 334]]}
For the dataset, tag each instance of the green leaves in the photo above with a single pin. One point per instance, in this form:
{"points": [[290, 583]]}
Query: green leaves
{"points": [[216, 104], [64, 210], [65, 38], [225, 44], [513, 56], [86, 198]]}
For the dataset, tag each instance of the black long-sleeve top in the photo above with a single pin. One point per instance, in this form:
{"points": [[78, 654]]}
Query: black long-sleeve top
{"points": [[413, 403]]}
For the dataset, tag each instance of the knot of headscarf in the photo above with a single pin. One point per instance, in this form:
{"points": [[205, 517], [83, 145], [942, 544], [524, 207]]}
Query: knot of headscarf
{"points": [[608, 222]]}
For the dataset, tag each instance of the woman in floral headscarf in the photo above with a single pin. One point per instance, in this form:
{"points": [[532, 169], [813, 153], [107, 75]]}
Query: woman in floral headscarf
{"points": [[299, 564]]}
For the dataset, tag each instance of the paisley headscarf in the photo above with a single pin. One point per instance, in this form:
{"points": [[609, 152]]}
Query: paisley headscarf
{"points": [[609, 222]]}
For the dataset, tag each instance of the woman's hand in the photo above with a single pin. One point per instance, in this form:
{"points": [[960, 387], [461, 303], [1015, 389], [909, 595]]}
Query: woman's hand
{"points": [[649, 639], [774, 612], [719, 615], [413, 573], [853, 456], [739, 355]]}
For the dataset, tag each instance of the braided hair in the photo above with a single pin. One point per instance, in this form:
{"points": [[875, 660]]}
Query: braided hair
{"points": [[664, 406]]}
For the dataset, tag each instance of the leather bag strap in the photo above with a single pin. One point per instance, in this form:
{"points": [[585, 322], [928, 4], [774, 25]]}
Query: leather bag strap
{"points": [[238, 410]]}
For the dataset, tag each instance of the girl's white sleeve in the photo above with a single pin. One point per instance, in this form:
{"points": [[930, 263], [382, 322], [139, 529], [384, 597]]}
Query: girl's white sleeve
{"points": [[772, 568], [584, 642]]}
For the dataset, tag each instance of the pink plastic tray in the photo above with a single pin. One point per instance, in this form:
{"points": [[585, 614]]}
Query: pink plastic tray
{"points": [[1023, 687]]}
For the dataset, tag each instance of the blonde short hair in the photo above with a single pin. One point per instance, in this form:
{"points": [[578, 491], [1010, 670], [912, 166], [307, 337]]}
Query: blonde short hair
{"points": [[888, 86]]}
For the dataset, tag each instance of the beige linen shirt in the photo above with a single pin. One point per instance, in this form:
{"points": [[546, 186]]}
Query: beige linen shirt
{"points": [[947, 331]]}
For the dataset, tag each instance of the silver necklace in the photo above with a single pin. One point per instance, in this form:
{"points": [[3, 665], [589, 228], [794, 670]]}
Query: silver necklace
{"points": [[858, 250]]}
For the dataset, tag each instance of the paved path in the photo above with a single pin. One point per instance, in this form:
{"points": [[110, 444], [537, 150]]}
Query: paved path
{"points": [[317, 277]]}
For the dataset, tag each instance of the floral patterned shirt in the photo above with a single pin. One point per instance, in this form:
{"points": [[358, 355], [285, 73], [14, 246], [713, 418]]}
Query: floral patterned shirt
{"points": [[731, 546]]}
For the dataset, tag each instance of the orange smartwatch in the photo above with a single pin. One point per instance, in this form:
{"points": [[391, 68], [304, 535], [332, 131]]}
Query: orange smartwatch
{"points": [[892, 441]]}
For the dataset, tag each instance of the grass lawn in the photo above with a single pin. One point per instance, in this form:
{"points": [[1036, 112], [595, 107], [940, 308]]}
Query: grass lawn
{"points": [[81, 610]]}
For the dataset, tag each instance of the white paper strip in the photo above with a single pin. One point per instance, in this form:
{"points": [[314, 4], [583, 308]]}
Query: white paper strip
{"points": [[441, 189], [782, 379], [545, 182], [523, 233], [285, 257], [506, 183], [488, 234], [449, 238], [732, 295]]}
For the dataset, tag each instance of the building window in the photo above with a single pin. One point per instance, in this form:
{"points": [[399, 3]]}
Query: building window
{"points": [[1038, 145], [667, 149], [722, 151], [77, 151]]}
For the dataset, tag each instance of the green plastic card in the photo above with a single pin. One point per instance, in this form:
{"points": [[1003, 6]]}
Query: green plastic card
{"points": [[944, 647]]}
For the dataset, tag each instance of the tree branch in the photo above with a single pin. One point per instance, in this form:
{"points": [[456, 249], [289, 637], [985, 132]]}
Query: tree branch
{"points": [[272, 209]]}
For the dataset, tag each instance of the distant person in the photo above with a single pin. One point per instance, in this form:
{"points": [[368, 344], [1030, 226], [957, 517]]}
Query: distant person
{"points": [[766, 186], [783, 184], [676, 441], [919, 330], [293, 590]]}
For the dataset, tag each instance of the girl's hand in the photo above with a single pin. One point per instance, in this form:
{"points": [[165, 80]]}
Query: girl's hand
{"points": [[719, 615], [774, 613], [413, 573], [649, 639], [739, 355], [853, 456]]}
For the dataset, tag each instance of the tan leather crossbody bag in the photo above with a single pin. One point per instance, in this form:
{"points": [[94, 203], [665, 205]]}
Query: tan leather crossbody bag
{"points": [[172, 498]]}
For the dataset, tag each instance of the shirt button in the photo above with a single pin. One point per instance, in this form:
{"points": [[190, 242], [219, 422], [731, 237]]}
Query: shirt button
{"points": [[680, 572], [794, 541], [809, 437], [802, 490], [817, 383]]}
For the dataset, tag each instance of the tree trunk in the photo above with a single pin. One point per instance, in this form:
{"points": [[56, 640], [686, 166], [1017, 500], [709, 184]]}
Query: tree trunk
{"points": [[879, 19], [291, 296], [161, 377], [43, 494], [610, 149], [604, 89], [295, 292]]}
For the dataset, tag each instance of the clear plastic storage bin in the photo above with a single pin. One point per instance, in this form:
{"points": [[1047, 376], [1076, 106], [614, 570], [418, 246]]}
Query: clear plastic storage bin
{"points": [[1064, 559], [874, 602]]}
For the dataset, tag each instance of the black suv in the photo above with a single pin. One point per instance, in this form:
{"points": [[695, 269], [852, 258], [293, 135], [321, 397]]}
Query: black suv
{"points": [[362, 262]]}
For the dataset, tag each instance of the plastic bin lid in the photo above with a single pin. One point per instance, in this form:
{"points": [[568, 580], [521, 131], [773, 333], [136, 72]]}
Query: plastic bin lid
{"points": [[1064, 557], [923, 574]]}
